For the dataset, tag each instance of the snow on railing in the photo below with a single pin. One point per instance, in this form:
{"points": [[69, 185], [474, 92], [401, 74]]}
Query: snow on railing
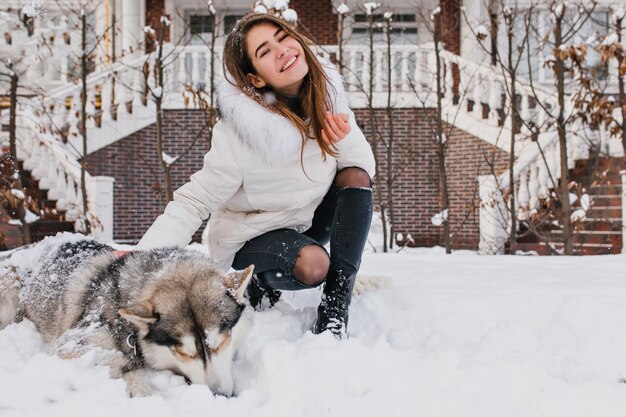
{"points": [[46, 55], [59, 173]]}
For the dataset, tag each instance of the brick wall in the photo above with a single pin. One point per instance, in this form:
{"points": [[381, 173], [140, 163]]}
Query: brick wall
{"points": [[134, 164], [316, 20], [450, 24], [416, 195], [415, 192], [468, 157]]}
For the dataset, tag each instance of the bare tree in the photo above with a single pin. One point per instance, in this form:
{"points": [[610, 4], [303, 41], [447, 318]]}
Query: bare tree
{"points": [[516, 36], [595, 106], [158, 72], [389, 145], [12, 68], [14, 192]]}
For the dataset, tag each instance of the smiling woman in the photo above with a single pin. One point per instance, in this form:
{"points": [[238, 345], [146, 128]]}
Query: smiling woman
{"points": [[277, 58], [288, 172]]}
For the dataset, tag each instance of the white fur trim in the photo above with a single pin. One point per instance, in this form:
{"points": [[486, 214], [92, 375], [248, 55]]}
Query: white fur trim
{"points": [[267, 133]]}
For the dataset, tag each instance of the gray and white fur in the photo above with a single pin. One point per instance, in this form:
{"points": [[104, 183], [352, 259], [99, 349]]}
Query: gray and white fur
{"points": [[166, 309]]}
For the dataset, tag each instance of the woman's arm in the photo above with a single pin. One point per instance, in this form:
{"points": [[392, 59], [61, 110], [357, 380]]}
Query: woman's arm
{"points": [[207, 190]]}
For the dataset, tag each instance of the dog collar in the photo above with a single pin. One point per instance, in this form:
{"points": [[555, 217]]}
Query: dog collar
{"points": [[131, 342]]}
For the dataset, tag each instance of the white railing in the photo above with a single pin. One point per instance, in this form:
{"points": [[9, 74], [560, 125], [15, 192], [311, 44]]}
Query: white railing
{"points": [[48, 162], [44, 59]]}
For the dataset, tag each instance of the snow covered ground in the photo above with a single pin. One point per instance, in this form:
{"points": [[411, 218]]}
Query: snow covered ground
{"points": [[450, 336]]}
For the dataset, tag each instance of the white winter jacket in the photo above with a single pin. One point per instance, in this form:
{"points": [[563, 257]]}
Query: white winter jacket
{"points": [[252, 180]]}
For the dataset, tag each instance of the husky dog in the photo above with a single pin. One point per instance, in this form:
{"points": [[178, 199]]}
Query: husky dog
{"points": [[166, 309]]}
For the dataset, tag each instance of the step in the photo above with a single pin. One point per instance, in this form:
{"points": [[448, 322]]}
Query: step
{"points": [[600, 163], [580, 237], [605, 200], [51, 227], [606, 189], [604, 212], [600, 225], [587, 249]]}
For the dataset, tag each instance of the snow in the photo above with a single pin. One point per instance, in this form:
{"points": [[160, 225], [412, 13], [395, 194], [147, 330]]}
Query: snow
{"points": [[260, 9], [290, 15], [211, 7], [18, 193], [168, 159], [578, 215], [585, 202], [32, 9], [458, 335], [29, 217], [343, 9], [165, 21], [435, 12], [610, 39], [558, 9], [482, 32], [439, 218], [370, 7], [281, 5]]}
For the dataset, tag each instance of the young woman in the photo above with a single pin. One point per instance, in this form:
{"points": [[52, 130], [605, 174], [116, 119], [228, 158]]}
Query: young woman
{"points": [[288, 172]]}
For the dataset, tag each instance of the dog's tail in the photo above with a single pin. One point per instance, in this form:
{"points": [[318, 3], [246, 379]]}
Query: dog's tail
{"points": [[9, 288]]}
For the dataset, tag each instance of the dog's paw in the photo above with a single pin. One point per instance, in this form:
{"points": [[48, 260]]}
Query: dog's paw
{"points": [[135, 385]]}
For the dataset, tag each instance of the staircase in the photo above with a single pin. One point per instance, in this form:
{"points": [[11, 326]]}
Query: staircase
{"points": [[600, 231], [51, 221]]}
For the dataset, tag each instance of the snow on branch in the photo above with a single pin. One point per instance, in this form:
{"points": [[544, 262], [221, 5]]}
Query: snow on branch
{"points": [[370, 7], [440, 218], [343, 9]]}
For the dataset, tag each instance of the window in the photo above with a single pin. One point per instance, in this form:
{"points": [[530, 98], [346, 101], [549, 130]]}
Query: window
{"points": [[229, 22], [200, 28], [403, 29]]}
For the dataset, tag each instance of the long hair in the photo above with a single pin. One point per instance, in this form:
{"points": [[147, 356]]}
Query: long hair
{"points": [[314, 96]]}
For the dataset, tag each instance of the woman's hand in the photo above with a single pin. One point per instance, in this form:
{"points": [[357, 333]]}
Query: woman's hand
{"points": [[336, 127]]}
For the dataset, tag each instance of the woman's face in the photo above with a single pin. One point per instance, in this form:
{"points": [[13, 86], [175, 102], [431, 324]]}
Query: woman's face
{"points": [[278, 59]]}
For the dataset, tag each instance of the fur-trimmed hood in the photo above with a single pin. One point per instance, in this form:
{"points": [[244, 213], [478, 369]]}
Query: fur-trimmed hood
{"points": [[267, 133]]}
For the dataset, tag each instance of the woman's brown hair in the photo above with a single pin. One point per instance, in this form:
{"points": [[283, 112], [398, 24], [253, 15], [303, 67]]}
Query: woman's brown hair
{"points": [[313, 96]]}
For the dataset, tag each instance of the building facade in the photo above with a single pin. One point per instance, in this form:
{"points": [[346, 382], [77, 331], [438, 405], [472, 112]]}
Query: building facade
{"points": [[123, 161]]}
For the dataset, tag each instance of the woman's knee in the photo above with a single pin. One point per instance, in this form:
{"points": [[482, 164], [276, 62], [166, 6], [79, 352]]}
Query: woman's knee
{"points": [[311, 265], [352, 177]]}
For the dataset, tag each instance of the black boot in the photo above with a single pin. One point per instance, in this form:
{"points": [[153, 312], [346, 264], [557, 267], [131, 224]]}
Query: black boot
{"points": [[351, 222], [332, 313], [258, 294]]}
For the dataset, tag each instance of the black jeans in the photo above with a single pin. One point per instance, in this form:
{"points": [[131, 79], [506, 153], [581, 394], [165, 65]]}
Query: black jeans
{"points": [[274, 253]]}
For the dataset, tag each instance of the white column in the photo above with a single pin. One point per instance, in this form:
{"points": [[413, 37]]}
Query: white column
{"points": [[133, 22], [623, 174], [494, 220], [101, 205]]}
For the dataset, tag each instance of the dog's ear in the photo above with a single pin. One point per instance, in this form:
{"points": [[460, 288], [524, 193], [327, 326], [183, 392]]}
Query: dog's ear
{"points": [[141, 314], [237, 282]]}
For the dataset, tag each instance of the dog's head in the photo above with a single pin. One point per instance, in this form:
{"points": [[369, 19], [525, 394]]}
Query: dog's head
{"points": [[186, 322]]}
